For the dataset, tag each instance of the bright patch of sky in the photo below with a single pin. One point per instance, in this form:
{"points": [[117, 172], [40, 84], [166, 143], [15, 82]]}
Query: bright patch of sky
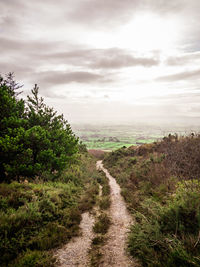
{"points": [[110, 60]]}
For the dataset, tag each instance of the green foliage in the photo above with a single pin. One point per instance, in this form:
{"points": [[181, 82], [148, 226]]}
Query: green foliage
{"points": [[34, 258], [112, 137], [95, 251], [182, 214], [33, 139], [168, 235], [102, 224], [105, 202], [102, 221], [100, 228], [12, 124], [39, 216], [160, 183], [103, 181], [46, 178]]}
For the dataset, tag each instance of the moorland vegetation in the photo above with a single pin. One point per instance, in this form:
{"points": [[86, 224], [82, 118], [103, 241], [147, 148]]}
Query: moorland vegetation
{"points": [[47, 179], [161, 185]]}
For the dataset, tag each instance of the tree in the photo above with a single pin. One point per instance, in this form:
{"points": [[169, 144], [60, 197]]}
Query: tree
{"points": [[62, 143], [33, 139], [12, 123]]}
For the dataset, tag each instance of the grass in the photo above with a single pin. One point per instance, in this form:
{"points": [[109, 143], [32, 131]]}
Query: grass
{"points": [[95, 251], [100, 229], [38, 216], [113, 137], [102, 224], [168, 234], [160, 184], [104, 203], [102, 221], [105, 145], [34, 258]]}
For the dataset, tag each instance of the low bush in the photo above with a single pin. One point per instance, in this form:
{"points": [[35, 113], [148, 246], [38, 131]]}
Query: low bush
{"points": [[42, 215], [102, 224], [160, 183], [104, 202], [34, 258], [169, 235]]}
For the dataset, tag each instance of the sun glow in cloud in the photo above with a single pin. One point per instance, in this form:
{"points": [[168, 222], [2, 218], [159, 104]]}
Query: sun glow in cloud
{"points": [[149, 32], [85, 54], [145, 32]]}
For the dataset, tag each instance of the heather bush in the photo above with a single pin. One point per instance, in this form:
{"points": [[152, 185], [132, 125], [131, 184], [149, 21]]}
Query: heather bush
{"points": [[160, 184]]}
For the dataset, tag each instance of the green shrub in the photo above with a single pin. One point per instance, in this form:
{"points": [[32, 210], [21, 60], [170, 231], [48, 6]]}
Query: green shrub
{"points": [[168, 235], [42, 215], [34, 259], [105, 202], [102, 224], [52, 235]]}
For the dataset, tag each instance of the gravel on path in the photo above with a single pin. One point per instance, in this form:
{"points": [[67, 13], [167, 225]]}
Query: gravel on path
{"points": [[114, 251], [75, 253]]}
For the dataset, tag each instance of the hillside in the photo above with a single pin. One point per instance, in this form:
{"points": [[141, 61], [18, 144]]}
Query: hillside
{"points": [[47, 179], [160, 184], [60, 207]]}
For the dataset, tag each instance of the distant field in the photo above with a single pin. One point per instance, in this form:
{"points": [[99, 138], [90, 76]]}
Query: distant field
{"points": [[114, 137], [105, 145]]}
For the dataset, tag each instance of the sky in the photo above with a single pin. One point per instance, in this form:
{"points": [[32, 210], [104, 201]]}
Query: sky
{"points": [[106, 61]]}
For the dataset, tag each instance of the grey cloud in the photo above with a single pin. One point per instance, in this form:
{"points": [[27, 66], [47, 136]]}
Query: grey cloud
{"points": [[183, 59], [98, 12], [9, 45], [124, 61], [57, 77], [20, 69], [115, 12], [111, 58], [22, 57], [93, 13], [13, 17], [165, 7], [12, 4], [181, 76], [54, 95]]}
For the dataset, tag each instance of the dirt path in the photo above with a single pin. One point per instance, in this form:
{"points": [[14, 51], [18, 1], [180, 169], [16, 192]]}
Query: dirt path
{"points": [[114, 253], [75, 253]]}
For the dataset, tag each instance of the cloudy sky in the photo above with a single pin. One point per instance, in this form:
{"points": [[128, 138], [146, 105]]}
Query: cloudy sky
{"points": [[106, 60]]}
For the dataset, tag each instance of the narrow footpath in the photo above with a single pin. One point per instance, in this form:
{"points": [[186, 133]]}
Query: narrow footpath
{"points": [[114, 251], [75, 253]]}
